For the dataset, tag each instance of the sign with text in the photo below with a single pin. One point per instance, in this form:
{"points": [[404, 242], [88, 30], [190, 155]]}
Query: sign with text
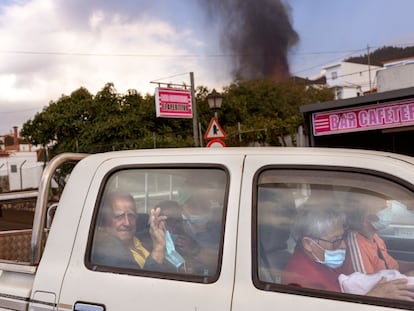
{"points": [[173, 103], [372, 117]]}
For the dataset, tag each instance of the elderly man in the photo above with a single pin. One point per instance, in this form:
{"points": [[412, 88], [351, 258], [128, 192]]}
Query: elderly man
{"points": [[117, 245], [321, 250]]}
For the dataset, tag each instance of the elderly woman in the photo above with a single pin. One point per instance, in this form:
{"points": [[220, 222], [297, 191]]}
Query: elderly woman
{"points": [[321, 250]]}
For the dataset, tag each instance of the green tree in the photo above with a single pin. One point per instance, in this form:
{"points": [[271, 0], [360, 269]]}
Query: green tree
{"points": [[107, 121], [262, 111], [265, 110], [61, 123]]}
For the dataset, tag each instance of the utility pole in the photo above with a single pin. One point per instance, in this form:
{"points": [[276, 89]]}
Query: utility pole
{"points": [[194, 107], [369, 69]]}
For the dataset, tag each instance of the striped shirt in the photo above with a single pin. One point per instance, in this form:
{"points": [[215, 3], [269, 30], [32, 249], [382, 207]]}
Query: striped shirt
{"points": [[366, 256]]}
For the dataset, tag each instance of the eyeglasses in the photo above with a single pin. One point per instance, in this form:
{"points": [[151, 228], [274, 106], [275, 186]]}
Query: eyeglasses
{"points": [[336, 243]]}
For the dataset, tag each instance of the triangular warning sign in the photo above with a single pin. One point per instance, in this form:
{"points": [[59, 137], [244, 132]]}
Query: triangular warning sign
{"points": [[214, 130]]}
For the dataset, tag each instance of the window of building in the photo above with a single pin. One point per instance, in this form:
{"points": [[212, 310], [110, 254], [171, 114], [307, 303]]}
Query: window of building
{"points": [[334, 75], [338, 93], [321, 233], [126, 240]]}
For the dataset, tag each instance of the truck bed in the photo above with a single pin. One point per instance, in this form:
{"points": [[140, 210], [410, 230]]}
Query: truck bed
{"points": [[15, 245]]}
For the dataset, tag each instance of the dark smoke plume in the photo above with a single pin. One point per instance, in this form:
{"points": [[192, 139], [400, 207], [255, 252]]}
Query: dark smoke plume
{"points": [[258, 33]]}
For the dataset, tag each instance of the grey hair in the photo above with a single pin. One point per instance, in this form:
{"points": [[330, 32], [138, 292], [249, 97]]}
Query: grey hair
{"points": [[108, 201], [360, 203], [313, 221]]}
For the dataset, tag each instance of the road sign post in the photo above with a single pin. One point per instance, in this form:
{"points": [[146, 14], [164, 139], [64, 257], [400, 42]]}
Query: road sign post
{"points": [[214, 130], [216, 143], [214, 134]]}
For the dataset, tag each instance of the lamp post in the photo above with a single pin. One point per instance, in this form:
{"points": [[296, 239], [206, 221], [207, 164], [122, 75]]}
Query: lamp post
{"points": [[214, 101]]}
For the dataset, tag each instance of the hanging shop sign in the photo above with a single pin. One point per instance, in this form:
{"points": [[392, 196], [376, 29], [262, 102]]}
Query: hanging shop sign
{"points": [[365, 118], [173, 103]]}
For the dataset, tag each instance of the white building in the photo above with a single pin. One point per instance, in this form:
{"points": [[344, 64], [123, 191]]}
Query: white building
{"points": [[22, 170], [396, 74], [350, 79], [19, 165]]}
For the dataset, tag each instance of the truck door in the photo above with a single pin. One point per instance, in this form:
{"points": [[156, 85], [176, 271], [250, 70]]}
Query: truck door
{"points": [[199, 197], [289, 204]]}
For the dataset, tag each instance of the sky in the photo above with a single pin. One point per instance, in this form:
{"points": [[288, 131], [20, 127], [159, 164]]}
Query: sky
{"points": [[50, 48]]}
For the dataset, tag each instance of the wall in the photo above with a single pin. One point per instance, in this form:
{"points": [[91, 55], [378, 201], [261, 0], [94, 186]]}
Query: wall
{"points": [[351, 79], [22, 170], [394, 78]]}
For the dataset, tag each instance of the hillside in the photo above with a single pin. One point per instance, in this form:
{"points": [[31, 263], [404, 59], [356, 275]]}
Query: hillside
{"points": [[383, 54]]}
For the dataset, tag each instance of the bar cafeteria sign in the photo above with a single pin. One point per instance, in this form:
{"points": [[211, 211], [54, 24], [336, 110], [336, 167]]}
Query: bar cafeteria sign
{"points": [[365, 118], [173, 103]]}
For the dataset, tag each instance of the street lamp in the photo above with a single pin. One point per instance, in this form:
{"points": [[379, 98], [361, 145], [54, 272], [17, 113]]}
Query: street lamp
{"points": [[214, 101]]}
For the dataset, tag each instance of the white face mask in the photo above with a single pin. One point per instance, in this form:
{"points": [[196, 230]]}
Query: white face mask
{"points": [[384, 219]]}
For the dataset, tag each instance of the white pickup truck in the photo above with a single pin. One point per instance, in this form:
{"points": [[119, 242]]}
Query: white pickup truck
{"points": [[235, 207]]}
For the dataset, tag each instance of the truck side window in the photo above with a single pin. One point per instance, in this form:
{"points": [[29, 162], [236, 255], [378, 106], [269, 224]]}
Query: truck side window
{"points": [[190, 203], [333, 231], [275, 213]]}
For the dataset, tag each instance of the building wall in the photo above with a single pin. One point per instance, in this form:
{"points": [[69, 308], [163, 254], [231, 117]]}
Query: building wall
{"points": [[350, 79], [334, 75], [22, 170], [396, 77]]}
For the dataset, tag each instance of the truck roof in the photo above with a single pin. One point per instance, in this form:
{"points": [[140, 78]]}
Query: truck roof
{"points": [[311, 151]]}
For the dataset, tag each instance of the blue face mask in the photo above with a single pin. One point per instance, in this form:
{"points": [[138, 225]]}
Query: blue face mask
{"points": [[332, 258], [173, 237], [384, 219], [171, 255]]}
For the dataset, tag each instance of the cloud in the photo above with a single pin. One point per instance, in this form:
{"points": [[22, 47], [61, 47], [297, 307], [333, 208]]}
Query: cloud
{"points": [[53, 47]]}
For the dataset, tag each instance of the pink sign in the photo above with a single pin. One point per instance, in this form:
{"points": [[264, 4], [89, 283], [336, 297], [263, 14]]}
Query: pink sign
{"points": [[173, 103], [364, 118]]}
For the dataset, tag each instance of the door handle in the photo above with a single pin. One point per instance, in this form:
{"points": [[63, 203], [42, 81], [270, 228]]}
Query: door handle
{"points": [[83, 306]]}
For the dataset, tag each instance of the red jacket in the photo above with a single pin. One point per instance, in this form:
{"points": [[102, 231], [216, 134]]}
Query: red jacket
{"points": [[303, 271]]}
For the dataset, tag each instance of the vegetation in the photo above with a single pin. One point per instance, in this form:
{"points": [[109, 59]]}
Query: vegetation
{"points": [[381, 55], [261, 111]]}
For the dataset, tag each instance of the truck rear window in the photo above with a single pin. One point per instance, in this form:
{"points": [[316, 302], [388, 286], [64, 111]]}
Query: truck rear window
{"points": [[135, 207]]}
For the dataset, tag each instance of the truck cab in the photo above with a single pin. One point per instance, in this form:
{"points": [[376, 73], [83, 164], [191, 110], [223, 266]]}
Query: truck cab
{"points": [[230, 216]]}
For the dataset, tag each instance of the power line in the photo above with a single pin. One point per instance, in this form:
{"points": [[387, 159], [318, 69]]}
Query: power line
{"points": [[353, 73], [169, 77], [336, 59], [349, 54], [327, 62], [48, 53], [327, 52], [216, 55], [350, 51], [86, 54]]}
